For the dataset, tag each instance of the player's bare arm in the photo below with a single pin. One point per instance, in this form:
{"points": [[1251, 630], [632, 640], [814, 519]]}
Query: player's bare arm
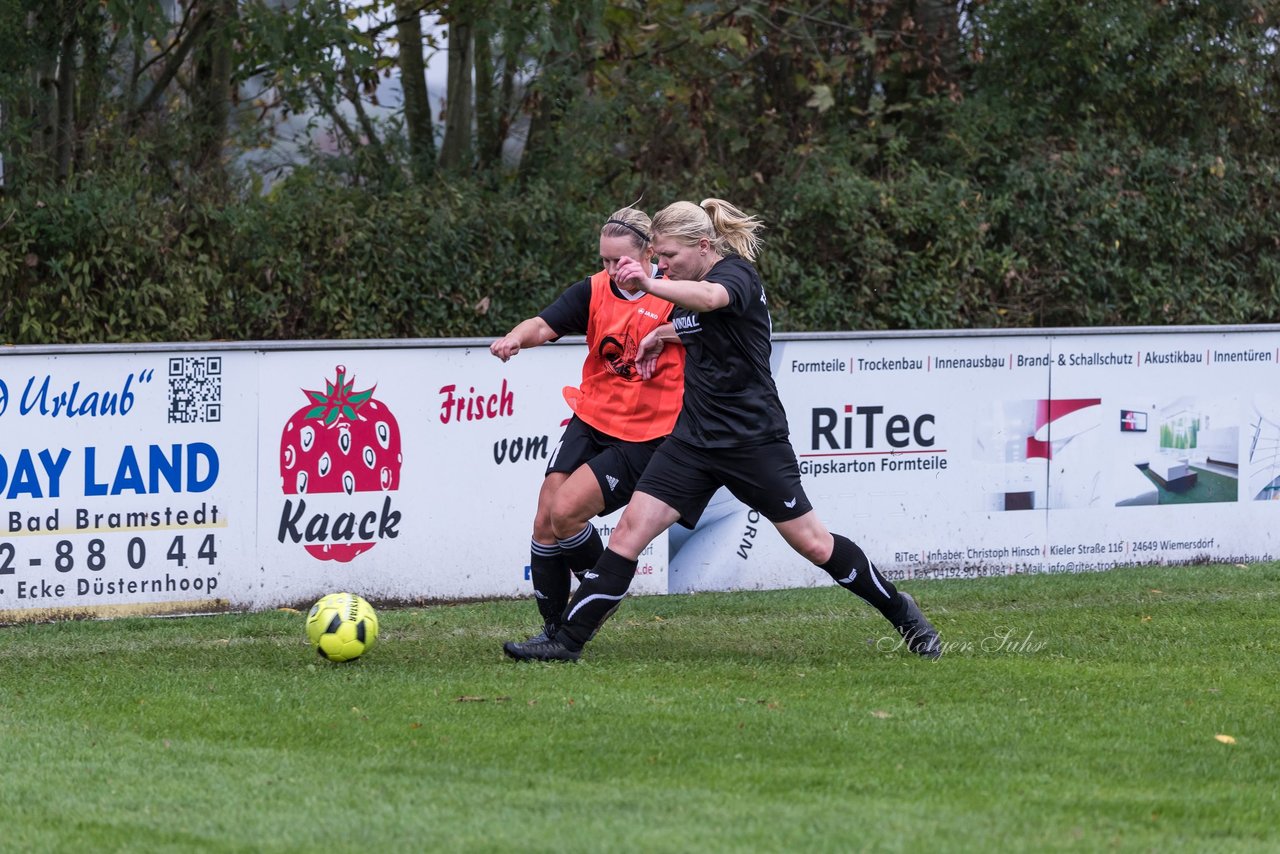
{"points": [[651, 347], [693, 295], [527, 333]]}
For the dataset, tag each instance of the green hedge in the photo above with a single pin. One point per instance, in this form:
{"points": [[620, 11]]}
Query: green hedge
{"points": [[1068, 234], [1080, 234], [99, 261]]}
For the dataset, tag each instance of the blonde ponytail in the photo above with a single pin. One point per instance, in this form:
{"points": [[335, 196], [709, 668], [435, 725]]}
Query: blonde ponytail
{"points": [[728, 229], [733, 228]]}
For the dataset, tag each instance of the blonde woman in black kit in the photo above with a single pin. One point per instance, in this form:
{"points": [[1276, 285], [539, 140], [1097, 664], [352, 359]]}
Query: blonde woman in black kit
{"points": [[732, 430]]}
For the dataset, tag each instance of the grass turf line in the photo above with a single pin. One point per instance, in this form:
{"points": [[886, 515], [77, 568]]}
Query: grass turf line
{"points": [[1070, 713]]}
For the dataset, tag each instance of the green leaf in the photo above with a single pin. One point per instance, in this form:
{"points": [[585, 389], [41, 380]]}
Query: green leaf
{"points": [[821, 99]]}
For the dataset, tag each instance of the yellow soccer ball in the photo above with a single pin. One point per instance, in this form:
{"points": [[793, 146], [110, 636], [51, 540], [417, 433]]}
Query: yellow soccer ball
{"points": [[342, 626]]}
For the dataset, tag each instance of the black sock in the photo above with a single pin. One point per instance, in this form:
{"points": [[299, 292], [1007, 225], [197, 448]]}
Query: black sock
{"points": [[598, 596], [851, 569], [582, 550], [550, 576]]}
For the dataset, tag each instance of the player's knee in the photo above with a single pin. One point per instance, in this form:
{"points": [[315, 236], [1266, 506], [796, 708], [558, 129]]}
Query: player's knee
{"points": [[813, 546], [816, 552], [543, 529], [809, 537], [565, 521], [628, 539]]}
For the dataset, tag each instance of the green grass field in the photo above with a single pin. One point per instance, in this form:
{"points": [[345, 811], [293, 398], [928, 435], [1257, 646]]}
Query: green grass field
{"points": [[1133, 710]]}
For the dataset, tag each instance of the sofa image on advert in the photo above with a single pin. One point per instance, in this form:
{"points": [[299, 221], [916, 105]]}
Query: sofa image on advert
{"points": [[1179, 454], [1169, 468], [1133, 487]]}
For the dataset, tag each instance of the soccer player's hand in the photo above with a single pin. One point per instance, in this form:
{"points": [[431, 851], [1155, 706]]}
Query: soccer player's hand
{"points": [[647, 354], [630, 273], [505, 347]]}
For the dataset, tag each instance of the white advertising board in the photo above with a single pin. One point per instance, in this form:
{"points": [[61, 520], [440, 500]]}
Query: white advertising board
{"points": [[181, 481], [443, 499], [969, 456], [1182, 465], [901, 445], [123, 481], [188, 478]]}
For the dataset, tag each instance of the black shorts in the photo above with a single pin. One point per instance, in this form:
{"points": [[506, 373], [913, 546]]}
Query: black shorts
{"points": [[617, 464], [765, 477]]}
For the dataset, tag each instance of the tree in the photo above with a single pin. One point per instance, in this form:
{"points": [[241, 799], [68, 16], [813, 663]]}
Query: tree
{"points": [[213, 90], [456, 149], [413, 80], [90, 76], [1196, 74]]}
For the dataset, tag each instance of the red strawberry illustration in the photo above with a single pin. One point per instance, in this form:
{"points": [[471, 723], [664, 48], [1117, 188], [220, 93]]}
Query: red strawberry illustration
{"points": [[342, 441]]}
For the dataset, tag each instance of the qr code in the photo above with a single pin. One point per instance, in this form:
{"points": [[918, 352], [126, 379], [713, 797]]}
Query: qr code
{"points": [[195, 389]]}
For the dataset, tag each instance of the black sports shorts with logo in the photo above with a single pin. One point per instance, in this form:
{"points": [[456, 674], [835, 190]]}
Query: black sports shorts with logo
{"points": [[616, 463], [765, 477]]}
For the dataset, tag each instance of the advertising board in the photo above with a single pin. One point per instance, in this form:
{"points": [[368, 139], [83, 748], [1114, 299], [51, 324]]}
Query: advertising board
{"points": [[187, 478]]}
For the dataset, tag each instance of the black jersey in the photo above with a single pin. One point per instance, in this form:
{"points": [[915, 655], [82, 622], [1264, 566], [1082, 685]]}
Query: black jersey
{"points": [[571, 311], [730, 399]]}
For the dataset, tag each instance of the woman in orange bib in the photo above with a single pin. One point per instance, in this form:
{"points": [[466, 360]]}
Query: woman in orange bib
{"points": [[619, 418]]}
